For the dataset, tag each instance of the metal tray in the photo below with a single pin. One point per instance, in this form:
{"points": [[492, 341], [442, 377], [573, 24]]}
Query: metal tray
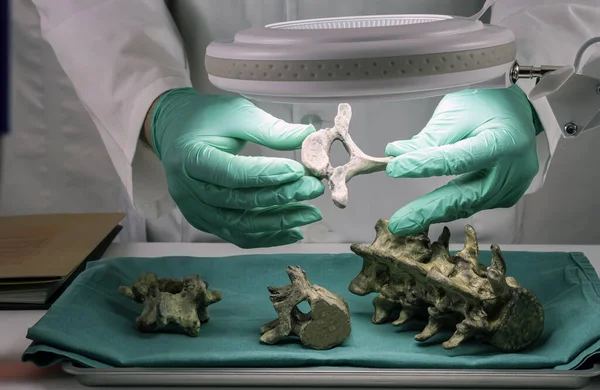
{"points": [[332, 377]]}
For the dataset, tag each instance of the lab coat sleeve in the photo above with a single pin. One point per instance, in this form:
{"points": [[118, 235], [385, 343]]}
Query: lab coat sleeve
{"points": [[551, 33], [120, 56]]}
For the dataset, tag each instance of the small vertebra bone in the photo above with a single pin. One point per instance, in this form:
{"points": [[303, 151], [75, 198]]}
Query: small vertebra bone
{"points": [[326, 326], [315, 157], [179, 302]]}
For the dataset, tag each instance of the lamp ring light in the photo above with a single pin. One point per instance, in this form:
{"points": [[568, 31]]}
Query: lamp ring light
{"points": [[391, 57]]}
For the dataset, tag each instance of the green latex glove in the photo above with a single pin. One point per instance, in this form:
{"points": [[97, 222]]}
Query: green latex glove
{"points": [[488, 137], [248, 201]]}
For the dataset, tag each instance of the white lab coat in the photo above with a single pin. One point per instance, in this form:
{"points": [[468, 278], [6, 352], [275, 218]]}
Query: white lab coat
{"points": [[120, 55]]}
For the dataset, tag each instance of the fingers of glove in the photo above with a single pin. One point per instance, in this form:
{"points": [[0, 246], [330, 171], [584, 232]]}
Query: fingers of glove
{"points": [[270, 219], [303, 189], [212, 165], [427, 138], [456, 200], [280, 135], [398, 148], [445, 127], [260, 240], [249, 240], [260, 127], [465, 156]]}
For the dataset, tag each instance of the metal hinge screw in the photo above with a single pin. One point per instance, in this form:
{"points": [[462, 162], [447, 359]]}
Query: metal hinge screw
{"points": [[571, 128]]}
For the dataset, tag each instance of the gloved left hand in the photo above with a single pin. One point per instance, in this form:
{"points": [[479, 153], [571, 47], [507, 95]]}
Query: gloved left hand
{"points": [[248, 201], [488, 137]]}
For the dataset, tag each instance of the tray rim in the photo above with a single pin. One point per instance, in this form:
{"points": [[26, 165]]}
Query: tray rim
{"points": [[72, 369], [332, 377]]}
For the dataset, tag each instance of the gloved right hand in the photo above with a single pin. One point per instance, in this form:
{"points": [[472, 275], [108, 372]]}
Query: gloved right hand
{"points": [[486, 137], [249, 201]]}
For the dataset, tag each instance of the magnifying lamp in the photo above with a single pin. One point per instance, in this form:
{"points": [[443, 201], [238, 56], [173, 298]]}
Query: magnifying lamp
{"points": [[391, 57], [345, 59]]}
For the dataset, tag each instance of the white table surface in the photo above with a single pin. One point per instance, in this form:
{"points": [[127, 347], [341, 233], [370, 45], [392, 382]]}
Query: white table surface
{"points": [[14, 324]]}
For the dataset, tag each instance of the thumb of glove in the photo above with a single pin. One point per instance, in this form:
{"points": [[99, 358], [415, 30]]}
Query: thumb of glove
{"points": [[398, 148], [277, 134]]}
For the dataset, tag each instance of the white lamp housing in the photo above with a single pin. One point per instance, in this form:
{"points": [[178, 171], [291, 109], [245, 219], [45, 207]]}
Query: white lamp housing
{"points": [[390, 57]]}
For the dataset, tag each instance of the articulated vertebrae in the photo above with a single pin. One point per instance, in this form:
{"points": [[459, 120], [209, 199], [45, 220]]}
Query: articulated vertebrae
{"points": [[420, 278], [181, 303]]}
